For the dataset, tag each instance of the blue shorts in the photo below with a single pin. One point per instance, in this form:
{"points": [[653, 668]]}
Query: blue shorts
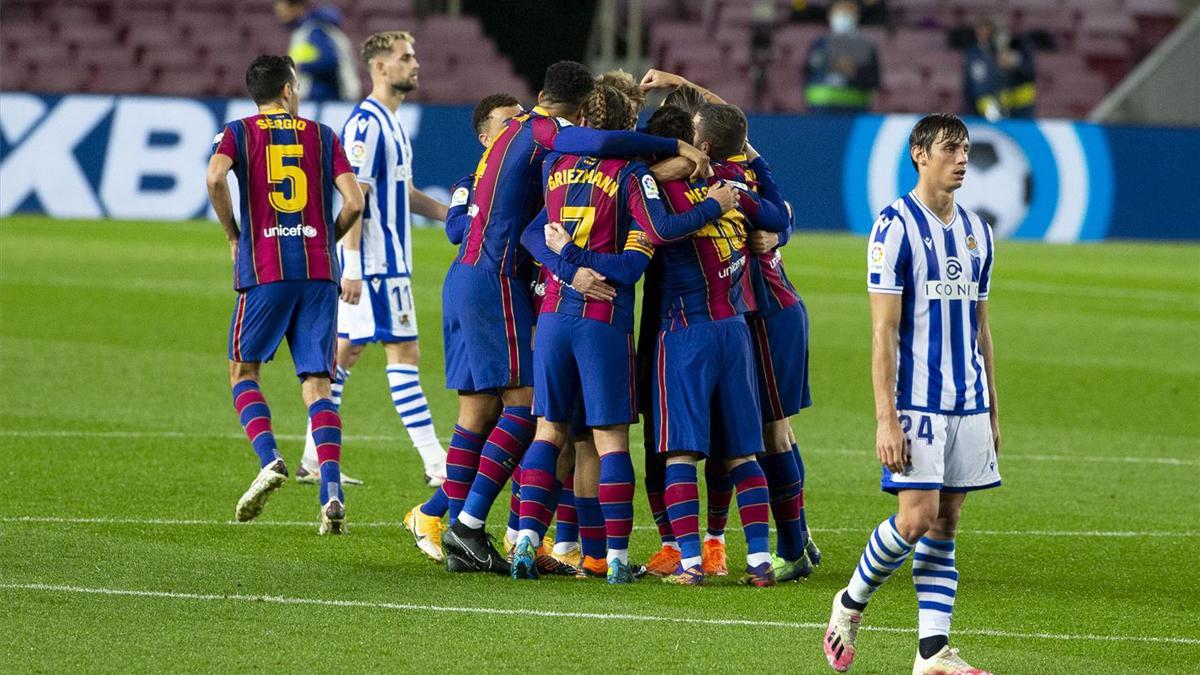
{"points": [[487, 325], [781, 354], [705, 389], [576, 358], [305, 312]]}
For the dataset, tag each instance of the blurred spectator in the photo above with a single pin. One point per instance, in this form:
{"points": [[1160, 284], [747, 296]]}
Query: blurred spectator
{"points": [[323, 54], [870, 12], [999, 79], [762, 29], [841, 72]]}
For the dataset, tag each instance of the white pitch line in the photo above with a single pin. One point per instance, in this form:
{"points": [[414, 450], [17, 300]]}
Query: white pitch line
{"points": [[600, 616], [367, 438], [183, 522]]}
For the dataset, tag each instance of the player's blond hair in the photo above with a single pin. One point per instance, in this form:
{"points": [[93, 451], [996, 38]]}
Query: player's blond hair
{"points": [[382, 43], [624, 83], [607, 107]]}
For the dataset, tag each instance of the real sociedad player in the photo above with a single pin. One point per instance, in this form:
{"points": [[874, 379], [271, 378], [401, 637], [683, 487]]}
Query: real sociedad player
{"points": [[705, 396], [929, 265], [377, 260], [599, 211], [285, 270], [424, 521], [489, 307]]}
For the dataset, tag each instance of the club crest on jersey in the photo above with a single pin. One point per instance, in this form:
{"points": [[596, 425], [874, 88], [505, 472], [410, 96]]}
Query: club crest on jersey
{"points": [[650, 187], [460, 197], [875, 257], [973, 246]]}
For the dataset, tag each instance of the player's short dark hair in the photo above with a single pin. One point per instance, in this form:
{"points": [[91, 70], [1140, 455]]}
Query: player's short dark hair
{"points": [[686, 97], [933, 126], [724, 127], [485, 107], [610, 109], [671, 122], [266, 76], [568, 83], [382, 43]]}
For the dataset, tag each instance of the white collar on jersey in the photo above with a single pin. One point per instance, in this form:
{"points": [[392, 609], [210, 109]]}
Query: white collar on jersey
{"points": [[935, 216]]}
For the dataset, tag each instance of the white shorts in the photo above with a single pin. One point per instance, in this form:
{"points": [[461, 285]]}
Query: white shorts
{"points": [[952, 453], [384, 312]]}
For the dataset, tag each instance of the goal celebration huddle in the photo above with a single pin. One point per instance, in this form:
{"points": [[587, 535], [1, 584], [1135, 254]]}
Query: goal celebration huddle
{"points": [[569, 207]]}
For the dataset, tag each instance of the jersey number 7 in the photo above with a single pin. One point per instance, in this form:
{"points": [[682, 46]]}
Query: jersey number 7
{"points": [[586, 216], [278, 172]]}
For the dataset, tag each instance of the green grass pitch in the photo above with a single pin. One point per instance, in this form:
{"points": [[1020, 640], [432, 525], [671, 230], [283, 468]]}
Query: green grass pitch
{"points": [[123, 458]]}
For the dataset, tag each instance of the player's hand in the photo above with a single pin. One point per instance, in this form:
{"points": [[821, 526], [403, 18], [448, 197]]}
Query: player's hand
{"points": [[996, 431], [762, 242], [725, 194], [556, 237], [702, 168], [591, 284], [660, 79], [351, 290], [890, 445]]}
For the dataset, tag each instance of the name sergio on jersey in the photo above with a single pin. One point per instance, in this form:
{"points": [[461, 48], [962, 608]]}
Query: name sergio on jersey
{"points": [[585, 176], [308, 231], [265, 123]]}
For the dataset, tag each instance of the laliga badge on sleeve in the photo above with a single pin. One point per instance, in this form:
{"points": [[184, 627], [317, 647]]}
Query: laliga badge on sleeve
{"points": [[875, 257], [649, 187]]}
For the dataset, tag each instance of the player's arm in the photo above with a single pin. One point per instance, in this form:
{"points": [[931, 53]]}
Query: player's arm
{"points": [[425, 205], [458, 214], [890, 445], [587, 281], [352, 247], [661, 79], [625, 267], [597, 143], [661, 227], [222, 201], [352, 204], [989, 367]]}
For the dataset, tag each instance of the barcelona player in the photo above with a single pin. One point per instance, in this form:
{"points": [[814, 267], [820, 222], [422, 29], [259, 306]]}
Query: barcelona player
{"points": [[488, 309], [424, 521], [584, 348], [929, 267], [285, 270], [779, 332], [705, 398]]}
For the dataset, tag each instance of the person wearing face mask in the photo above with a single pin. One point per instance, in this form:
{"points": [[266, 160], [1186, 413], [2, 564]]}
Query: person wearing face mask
{"points": [[841, 72]]}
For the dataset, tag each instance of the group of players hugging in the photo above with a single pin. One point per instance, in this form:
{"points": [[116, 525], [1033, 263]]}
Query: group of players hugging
{"points": [[568, 208]]}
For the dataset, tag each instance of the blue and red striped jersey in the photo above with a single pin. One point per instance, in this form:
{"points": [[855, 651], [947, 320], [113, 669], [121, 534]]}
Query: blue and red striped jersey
{"points": [[773, 291], [703, 277], [602, 203], [508, 192], [285, 168]]}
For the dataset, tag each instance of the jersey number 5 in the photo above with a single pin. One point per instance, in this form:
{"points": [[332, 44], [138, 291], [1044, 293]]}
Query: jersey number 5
{"points": [[278, 172], [586, 216]]}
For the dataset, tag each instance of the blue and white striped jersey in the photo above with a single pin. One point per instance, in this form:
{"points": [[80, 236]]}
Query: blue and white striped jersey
{"points": [[941, 271], [381, 155]]}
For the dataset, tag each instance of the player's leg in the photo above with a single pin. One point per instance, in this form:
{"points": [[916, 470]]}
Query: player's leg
{"points": [[665, 560], [538, 483], [718, 488], [592, 536], [615, 490], [413, 408], [259, 322], [787, 501], [738, 430], [311, 338], [348, 353], [682, 496], [970, 466], [566, 518]]}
